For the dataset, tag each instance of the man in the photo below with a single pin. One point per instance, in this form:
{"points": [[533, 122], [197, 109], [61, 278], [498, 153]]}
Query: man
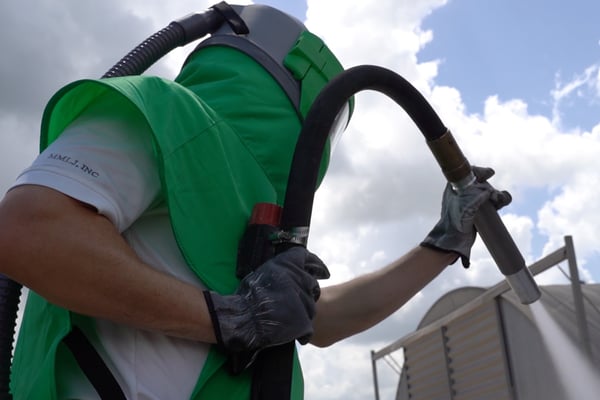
{"points": [[126, 227]]}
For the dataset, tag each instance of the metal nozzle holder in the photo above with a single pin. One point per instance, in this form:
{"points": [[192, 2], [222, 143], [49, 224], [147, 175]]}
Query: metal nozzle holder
{"points": [[492, 231], [454, 164]]}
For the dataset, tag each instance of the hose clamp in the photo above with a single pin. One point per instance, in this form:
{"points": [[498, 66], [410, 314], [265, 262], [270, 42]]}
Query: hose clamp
{"points": [[295, 235]]}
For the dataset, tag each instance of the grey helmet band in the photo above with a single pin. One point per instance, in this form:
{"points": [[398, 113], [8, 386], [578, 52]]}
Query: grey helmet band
{"points": [[272, 34]]}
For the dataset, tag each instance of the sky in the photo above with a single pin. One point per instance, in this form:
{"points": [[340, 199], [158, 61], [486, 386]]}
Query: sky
{"points": [[518, 84]]}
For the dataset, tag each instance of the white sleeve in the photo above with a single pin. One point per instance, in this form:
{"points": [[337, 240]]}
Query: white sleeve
{"points": [[107, 163]]}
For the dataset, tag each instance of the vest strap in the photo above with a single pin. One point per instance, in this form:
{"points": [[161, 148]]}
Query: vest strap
{"points": [[93, 366]]}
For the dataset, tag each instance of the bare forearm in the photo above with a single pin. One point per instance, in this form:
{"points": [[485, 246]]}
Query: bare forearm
{"points": [[77, 260], [351, 307]]}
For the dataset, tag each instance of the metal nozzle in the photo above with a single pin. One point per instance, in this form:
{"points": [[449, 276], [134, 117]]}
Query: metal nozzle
{"points": [[506, 254], [492, 231], [524, 286]]}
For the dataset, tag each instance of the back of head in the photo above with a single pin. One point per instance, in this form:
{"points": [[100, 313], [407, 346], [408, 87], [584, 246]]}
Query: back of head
{"points": [[296, 59], [264, 82]]}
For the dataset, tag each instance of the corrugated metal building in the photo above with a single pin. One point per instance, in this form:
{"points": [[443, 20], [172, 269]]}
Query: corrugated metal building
{"points": [[476, 343]]}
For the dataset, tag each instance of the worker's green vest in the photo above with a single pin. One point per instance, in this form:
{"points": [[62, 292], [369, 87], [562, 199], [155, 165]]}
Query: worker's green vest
{"points": [[225, 134]]}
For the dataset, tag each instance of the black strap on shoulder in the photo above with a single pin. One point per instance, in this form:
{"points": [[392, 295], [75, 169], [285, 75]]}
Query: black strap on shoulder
{"points": [[93, 366]]}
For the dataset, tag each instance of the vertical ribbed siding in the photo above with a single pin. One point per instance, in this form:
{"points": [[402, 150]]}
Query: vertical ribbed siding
{"points": [[476, 356], [464, 360], [425, 367]]}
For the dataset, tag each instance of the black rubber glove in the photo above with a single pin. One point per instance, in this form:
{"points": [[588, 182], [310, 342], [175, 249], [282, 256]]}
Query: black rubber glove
{"points": [[455, 231], [273, 305]]}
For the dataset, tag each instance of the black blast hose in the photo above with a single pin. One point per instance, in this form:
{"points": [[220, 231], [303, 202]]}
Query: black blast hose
{"points": [[455, 167], [302, 182]]}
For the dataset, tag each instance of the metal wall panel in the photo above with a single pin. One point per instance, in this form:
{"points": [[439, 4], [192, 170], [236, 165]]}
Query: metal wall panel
{"points": [[476, 355], [465, 359], [426, 370]]}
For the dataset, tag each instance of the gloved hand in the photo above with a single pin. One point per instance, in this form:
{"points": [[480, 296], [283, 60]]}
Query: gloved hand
{"points": [[455, 231], [273, 305]]}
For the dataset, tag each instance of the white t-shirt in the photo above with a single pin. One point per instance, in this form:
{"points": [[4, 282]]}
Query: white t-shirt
{"points": [[111, 166]]}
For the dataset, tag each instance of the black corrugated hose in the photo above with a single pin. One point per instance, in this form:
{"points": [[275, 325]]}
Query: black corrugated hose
{"points": [[10, 292], [177, 33]]}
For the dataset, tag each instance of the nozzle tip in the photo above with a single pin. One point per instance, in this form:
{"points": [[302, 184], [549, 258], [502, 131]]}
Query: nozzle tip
{"points": [[524, 285]]}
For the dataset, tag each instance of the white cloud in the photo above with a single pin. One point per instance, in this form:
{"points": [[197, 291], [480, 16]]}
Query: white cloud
{"points": [[382, 194], [321, 368], [20, 136], [383, 191], [584, 85], [575, 209]]}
